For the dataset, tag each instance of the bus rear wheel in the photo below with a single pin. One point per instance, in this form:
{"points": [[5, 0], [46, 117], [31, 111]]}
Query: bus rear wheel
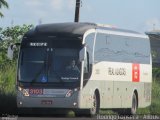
{"points": [[133, 109], [134, 104]]}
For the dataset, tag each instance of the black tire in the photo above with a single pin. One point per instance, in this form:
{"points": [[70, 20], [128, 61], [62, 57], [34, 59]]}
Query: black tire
{"points": [[134, 104], [133, 109]]}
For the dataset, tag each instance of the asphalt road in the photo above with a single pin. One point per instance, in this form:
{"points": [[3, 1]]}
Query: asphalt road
{"points": [[46, 118], [62, 117]]}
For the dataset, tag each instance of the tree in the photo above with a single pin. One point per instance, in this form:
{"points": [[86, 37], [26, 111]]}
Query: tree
{"points": [[10, 35], [3, 3]]}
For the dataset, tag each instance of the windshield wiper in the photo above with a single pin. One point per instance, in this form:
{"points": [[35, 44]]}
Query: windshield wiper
{"points": [[40, 71]]}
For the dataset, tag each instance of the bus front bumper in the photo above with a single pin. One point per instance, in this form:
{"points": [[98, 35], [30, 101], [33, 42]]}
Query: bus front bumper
{"points": [[47, 102]]}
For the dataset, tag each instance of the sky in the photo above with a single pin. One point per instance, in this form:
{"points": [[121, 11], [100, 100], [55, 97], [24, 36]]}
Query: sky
{"points": [[137, 15]]}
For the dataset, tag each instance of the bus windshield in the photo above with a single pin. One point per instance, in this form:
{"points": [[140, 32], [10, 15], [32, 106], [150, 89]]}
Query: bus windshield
{"points": [[49, 65]]}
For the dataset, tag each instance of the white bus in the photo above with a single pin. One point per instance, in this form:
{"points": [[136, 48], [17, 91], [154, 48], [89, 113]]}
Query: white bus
{"points": [[113, 68]]}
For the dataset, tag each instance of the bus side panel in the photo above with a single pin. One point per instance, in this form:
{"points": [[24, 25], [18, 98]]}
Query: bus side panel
{"points": [[117, 89], [127, 63]]}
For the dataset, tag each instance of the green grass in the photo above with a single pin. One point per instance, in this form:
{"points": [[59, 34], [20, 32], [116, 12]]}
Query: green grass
{"points": [[107, 112], [155, 106], [7, 80]]}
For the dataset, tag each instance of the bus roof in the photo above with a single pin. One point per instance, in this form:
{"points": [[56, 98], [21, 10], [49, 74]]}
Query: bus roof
{"points": [[69, 29]]}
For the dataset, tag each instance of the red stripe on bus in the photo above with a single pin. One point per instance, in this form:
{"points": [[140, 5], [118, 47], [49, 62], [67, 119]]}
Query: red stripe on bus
{"points": [[135, 72]]}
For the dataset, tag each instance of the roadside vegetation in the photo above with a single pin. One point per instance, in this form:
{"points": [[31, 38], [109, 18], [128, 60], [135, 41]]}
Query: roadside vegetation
{"points": [[14, 34], [154, 109], [8, 36], [7, 90]]}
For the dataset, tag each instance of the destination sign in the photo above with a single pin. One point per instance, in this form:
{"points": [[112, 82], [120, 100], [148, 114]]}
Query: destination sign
{"points": [[38, 44]]}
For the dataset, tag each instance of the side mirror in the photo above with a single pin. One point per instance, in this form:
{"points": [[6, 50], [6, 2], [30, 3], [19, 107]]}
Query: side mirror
{"points": [[11, 50], [82, 54]]}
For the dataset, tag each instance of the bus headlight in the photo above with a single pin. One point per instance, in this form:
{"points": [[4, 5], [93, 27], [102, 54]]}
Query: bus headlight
{"points": [[69, 93], [24, 91], [20, 89], [76, 89]]}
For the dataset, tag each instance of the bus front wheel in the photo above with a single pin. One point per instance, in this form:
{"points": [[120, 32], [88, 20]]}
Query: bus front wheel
{"points": [[94, 110], [95, 105]]}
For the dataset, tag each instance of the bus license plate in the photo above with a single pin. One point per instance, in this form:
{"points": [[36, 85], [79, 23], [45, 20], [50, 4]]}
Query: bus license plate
{"points": [[46, 102], [36, 91]]}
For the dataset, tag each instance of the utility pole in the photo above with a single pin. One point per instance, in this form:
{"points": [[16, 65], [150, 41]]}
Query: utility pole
{"points": [[77, 10], [154, 26]]}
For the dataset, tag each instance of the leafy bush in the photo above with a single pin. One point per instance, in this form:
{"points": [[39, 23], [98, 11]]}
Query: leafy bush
{"points": [[8, 36]]}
